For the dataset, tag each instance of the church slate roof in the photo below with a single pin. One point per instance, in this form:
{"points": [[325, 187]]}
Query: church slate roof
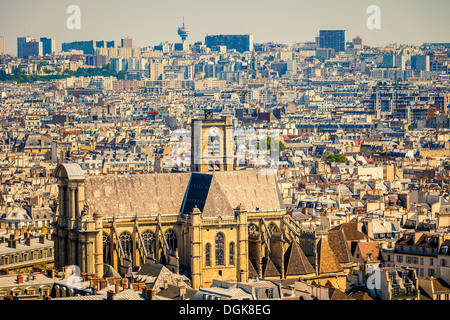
{"points": [[327, 261], [251, 270], [197, 192], [296, 262], [271, 270], [171, 193], [350, 231], [339, 245], [139, 194], [220, 193]]}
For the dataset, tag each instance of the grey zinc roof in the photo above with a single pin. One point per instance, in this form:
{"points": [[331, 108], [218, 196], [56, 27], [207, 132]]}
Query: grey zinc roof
{"points": [[10, 281], [34, 245]]}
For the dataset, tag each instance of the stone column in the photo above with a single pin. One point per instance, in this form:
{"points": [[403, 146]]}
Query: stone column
{"points": [[61, 200], [72, 202], [62, 254], [83, 260]]}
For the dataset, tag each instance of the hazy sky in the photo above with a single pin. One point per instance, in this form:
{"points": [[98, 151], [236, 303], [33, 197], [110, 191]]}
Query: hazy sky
{"points": [[149, 22]]}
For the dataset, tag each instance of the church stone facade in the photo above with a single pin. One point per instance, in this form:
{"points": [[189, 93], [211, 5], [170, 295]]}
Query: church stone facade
{"points": [[212, 223]]}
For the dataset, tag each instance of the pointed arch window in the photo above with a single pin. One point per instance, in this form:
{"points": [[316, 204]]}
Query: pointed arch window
{"points": [[171, 238], [106, 249], [127, 244], [220, 249], [232, 253], [149, 242], [208, 255]]}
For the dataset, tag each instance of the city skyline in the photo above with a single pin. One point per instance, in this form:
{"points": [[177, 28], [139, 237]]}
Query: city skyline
{"points": [[150, 23]]}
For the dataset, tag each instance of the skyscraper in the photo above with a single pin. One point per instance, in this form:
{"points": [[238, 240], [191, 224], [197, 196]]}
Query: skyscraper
{"points": [[239, 42], [48, 46], [2, 46], [332, 39]]}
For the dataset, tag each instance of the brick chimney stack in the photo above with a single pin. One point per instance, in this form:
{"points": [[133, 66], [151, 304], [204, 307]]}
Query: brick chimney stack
{"points": [[110, 295], [51, 273], [19, 279], [182, 292]]}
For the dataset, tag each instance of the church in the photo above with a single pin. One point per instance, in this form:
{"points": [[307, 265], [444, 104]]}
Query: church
{"points": [[211, 223]]}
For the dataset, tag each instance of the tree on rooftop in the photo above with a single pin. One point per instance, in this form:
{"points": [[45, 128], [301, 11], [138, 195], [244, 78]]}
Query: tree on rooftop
{"points": [[336, 157]]}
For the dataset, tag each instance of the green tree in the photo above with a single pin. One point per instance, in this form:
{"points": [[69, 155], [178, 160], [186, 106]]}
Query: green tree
{"points": [[336, 157], [281, 145]]}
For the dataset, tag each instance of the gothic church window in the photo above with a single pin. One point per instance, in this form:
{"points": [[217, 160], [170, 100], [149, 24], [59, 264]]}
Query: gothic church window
{"points": [[219, 249], [253, 231], [232, 253], [273, 228], [106, 249], [149, 242], [171, 239], [208, 255], [127, 243]]}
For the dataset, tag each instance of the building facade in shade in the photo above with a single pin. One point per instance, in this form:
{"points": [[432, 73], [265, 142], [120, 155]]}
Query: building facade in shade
{"points": [[239, 42], [88, 47], [206, 224], [2, 45], [420, 63], [126, 43], [32, 48], [332, 39], [20, 45], [394, 61], [358, 43], [48, 46]]}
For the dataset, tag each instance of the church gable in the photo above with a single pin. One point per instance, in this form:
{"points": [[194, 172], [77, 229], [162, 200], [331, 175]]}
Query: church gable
{"points": [[217, 203]]}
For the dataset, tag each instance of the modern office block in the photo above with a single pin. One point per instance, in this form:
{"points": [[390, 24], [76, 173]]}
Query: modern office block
{"points": [[332, 39], [48, 46], [241, 43]]}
